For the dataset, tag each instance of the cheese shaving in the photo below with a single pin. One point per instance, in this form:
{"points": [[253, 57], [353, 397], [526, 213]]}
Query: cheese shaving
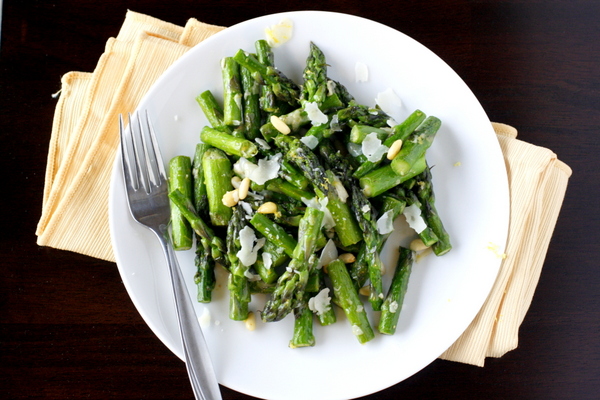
{"points": [[340, 189], [321, 303], [372, 147], [266, 169], [385, 223], [279, 33], [249, 250], [414, 218], [390, 103], [310, 141], [316, 116], [321, 205], [328, 254]]}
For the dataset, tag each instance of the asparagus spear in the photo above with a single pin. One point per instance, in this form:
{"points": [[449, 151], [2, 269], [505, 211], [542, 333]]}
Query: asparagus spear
{"points": [[365, 215], [359, 132], [211, 242], [384, 178], [283, 87], [303, 317], [424, 192], [217, 176], [368, 262], [399, 132], [413, 149], [276, 256], [314, 88], [251, 104], [347, 298], [204, 278], [390, 310], [303, 327], [199, 187], [274, 233], [284, 187], [357, 113], [212, 109], [307, 161], [359, 269], [228, 143], [238, 285], [294, 120], [232, 92], [180, 177], [293, 176], [289, 291], [327, 316], [269, 103], [427, 235]]}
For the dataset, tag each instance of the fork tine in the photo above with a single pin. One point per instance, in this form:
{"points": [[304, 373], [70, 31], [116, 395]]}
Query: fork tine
{"points": [[139, 152], [155, 160], [126, 154]]}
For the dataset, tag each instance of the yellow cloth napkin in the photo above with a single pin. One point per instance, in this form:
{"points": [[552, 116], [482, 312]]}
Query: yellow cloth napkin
{"points": [[84, 142]]}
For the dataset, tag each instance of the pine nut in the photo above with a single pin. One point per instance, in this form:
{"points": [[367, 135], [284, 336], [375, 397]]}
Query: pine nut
{"points": [[280, 125], [236, 181], [243, 189], [250, 321], [394, 149], [365, 291], [231, 198], [347, 258], [417, 245], [267, 208]]}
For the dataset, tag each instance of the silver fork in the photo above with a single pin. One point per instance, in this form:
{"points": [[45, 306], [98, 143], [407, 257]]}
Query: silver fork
{"points": [[147, 193]]}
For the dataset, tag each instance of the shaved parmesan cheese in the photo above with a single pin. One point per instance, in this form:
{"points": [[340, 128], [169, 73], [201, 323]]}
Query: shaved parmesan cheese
{"points": [[280, 33], [328, 254], [204, 319], [315, 115], [334, 124], [414, 219], [361, 72], [393, 306], [321, 303], [247, 208], [249, 250], [267, 260], [267, 169], [354, 149], [372, 147], [243, 167], [262, 143], [321, 205], [340, 189], [331, 85], [356, 330], [251, 277], [389, 102], [310, 141], [385, 224]]}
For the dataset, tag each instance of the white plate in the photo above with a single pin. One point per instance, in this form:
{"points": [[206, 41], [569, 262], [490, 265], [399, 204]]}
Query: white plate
{"points": [[444, 293]]}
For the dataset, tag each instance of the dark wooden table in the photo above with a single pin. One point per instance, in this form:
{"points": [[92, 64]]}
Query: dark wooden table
{"points": [[67, 326]]}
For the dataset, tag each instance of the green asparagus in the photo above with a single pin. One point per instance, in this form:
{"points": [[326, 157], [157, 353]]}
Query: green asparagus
{"points": [[347, 298], [180, 177], [390, 310]]}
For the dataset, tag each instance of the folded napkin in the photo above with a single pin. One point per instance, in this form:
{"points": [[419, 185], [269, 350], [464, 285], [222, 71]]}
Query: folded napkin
{"points": [[84, 142]]}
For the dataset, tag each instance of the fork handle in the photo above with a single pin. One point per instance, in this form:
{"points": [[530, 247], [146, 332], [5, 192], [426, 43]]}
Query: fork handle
{"points": [[197, 359]]}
